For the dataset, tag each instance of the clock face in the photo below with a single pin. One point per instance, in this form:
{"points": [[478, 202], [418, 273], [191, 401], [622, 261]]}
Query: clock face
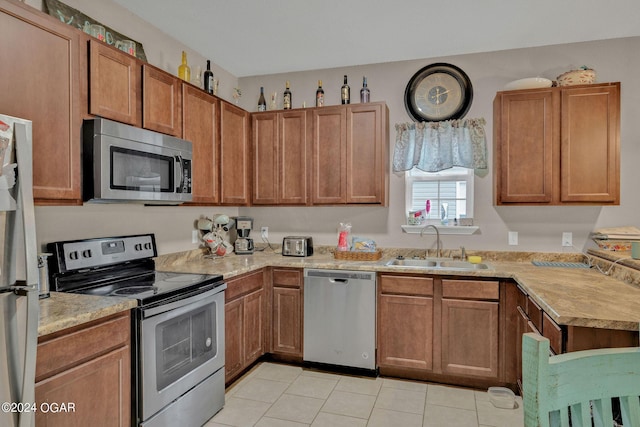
{"points": [[438, 92]]}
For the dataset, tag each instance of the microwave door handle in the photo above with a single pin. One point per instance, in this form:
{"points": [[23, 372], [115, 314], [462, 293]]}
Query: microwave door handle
{"points": [[180, 170]]}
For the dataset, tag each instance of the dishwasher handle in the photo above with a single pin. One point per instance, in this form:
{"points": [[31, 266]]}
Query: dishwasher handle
{"points": [[342, 275], [339, 281]]}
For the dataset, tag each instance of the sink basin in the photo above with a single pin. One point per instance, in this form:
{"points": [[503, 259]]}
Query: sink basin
{"points": [[437, 264]]}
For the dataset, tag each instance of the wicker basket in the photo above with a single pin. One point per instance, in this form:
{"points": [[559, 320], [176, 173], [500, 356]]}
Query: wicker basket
{"points": [[576, 77], [358, 256]]}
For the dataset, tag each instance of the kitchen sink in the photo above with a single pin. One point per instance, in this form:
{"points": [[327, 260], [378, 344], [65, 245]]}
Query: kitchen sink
{"points": [[437, 264]]}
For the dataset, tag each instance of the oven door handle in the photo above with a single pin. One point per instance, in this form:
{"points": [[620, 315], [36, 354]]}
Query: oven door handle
{"points": [[196, 298]]}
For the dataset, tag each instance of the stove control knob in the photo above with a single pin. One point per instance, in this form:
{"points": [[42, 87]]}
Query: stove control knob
{"points": [[208, 342]]}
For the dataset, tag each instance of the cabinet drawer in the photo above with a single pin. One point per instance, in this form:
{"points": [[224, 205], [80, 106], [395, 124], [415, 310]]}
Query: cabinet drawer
{"points": [[243, 285], [60, 352], [552, 331], [287, 277], [405, 285], [535, 313], [470, 289]]}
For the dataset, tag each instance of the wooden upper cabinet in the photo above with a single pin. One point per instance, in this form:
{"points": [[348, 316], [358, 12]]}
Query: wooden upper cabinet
{"points": [[557, 146], [114, 84], [280, 158], [367, 153], [41, 80], [292, 158], [235, 155], [200, 126], [161, 101], [590, 147], [525, 126], [264, 128], [329, 184], [350, 151]]}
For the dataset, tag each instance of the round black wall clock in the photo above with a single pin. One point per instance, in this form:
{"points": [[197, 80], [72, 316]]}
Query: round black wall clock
{"points": [[438, 92]]}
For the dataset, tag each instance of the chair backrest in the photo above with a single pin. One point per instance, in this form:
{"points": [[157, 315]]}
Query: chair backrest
{"points": [[579, 385]]}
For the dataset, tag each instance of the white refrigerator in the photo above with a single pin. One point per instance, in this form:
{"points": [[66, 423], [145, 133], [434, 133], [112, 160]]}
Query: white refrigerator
{"points": [[19, 307]]}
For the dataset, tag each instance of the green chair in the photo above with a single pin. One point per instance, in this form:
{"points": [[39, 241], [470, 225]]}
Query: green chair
{"points": [[572, 388]]}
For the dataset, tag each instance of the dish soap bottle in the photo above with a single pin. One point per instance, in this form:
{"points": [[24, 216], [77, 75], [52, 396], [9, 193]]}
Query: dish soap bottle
{"points": [[184, 72]]}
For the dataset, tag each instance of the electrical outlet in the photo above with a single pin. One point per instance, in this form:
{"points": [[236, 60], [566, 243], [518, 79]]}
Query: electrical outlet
{"points": [[264, 232], [195, 237], [567, 238], [513, 238]]}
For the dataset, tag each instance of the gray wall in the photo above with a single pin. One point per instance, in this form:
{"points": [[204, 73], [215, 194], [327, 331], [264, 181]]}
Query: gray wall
{"points": [[539, 228]]}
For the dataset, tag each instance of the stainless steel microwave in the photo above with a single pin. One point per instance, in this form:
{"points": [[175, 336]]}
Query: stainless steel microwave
{"points": [[123, 163]]}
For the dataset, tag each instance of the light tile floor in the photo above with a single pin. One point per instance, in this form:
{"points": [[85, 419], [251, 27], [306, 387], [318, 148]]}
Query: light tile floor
{"points": [[276, 395]]}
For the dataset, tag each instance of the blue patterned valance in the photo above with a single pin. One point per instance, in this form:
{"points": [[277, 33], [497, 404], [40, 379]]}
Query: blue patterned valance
{"points": [[435, 146]]}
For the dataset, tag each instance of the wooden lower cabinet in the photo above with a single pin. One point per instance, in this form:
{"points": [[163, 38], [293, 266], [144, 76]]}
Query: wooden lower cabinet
{"points": [[528, 316], [245, 322], [440, 329], [470, 337], [406, 331], [88, 367], [286, 314]]}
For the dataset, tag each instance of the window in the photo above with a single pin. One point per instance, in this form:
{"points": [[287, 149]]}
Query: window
{"points": [[450, 192]]}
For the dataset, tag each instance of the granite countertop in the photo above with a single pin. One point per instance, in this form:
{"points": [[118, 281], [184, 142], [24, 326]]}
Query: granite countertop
{"points": [[64, 310], [570, 296], [574, 297]]}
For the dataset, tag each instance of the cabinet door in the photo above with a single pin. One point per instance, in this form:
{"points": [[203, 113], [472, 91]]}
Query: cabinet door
{"points": [[253, 326], [265, 158], [292, 155], [161, 101], [235, 155], [470, 337], [329, 156], [114, 84], [525, 135], [590, 147], [366, 159], [233, 342], [287, 321], [99, 389], [200, 126], [405, 331], [41, 81]]}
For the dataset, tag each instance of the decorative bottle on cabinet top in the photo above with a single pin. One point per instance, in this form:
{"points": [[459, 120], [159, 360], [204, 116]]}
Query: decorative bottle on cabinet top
{"points": [[364, 92], [208, 79], [319, 95], [345, 92], [184, 72], [286, 100], [262, 102]]}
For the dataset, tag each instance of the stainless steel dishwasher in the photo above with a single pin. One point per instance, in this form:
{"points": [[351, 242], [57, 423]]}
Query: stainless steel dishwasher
{"points": [[340, 318]]}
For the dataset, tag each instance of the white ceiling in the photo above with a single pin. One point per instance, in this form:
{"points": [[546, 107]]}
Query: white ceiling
{"points": [[256, 37]]}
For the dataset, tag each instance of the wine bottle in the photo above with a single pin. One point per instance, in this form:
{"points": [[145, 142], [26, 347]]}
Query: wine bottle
{"points": [[262, 103], [345, 92], [208, 79], [364, 92], [286, 99], [319, 95], [184, 72]]}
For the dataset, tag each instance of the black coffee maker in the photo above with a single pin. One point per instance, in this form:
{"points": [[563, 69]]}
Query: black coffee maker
{"points": [[243, 245]]}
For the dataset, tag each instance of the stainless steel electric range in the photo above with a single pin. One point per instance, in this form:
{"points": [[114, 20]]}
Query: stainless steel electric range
{"points": [[178, 326]]}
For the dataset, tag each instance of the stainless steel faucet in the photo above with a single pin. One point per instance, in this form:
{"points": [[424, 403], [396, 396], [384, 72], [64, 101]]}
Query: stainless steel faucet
{"points": [[463, 253], [437, 240]]}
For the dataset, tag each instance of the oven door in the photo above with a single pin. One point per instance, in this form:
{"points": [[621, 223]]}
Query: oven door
{"points": [[182, 344]]}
